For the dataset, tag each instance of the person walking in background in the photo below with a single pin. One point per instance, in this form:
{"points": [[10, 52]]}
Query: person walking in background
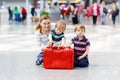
{"points": [[42, 30], [63, 12], [81, 47], [68, 13], [88, 14], [33, 12], [24, 13], [103, 12], [10, 12], [95, 11], [17, 14], [114, 11], [79, 11]]}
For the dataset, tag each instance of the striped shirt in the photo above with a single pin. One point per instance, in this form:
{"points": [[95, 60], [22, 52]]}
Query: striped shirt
{"points": [[57, 38], [80, 45]]}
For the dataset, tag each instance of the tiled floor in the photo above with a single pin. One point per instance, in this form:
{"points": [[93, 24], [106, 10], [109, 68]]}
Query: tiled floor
{"points": [[18, 54]]}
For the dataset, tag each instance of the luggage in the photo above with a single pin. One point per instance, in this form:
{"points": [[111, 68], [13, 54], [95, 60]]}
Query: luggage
{"points": [[75, 19], [58, 58]]}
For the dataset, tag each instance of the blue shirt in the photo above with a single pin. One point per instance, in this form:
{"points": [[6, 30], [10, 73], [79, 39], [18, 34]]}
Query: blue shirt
{"points": [[56, 37]]}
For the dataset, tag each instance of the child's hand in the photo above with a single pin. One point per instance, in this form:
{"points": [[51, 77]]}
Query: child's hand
{"points": [[55, 45], [80, 57], [66, 45]]}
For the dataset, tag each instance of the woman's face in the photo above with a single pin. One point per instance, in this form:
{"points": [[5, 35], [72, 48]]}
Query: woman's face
{"points": [[45, 24]]}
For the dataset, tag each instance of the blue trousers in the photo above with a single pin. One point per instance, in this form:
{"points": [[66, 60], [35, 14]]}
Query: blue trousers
{"points": [[114, 17], [40, 57], [81, 63]]}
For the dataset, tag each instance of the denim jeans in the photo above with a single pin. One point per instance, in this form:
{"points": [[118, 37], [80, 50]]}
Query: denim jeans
{"points": [[40, 57], [81, 63]]}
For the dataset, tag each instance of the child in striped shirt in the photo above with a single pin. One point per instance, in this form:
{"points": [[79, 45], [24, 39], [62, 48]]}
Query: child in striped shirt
{"points": [[81, 47], [56, 37]]}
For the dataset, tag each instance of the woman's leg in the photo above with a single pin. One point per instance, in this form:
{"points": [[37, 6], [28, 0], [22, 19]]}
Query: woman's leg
{"points": [[39, 59], [94, 19]]}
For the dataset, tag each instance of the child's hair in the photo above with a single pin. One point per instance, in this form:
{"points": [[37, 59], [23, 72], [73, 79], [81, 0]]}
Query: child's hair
{"points": [[79, 26], [44, 17], [61, 25]]}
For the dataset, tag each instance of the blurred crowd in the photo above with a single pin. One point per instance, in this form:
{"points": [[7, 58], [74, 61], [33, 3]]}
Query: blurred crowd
{"points": [[76, 13], [16, 14]]}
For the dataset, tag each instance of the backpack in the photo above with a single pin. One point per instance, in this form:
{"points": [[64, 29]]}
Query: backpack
{"points": [[117, 11], [105, 10]]}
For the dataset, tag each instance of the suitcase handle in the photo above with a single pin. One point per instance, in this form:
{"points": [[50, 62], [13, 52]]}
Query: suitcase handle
{"points": [[59, 47]]}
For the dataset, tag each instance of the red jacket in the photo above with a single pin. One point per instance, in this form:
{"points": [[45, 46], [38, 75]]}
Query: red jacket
{"points": [[63, 11], [24, 11], [98, 10]]}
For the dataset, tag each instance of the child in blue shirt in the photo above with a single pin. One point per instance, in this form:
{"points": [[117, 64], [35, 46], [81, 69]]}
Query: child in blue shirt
{"points": [[56, 37]]}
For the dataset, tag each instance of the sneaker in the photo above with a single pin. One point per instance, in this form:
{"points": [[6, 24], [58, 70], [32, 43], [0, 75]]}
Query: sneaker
{"points": [[38, 62]]}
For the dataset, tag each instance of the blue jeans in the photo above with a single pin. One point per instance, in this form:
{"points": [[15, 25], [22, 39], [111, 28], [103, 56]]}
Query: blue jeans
{"points": [[10, 17], [103, 17], [40, 57], [81, 63], [114, 17]]}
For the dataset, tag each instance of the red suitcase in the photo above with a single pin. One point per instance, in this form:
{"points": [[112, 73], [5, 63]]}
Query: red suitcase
{"points": [[58, 58]]}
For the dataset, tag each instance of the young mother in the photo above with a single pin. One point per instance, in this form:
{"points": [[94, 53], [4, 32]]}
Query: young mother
{"points": [[42, 30]]}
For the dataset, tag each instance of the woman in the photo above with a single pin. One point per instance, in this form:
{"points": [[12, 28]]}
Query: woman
{"points": [[103, 12], [95, 11], [24, 13], [42, 30], [114, 12], [10, 14]]}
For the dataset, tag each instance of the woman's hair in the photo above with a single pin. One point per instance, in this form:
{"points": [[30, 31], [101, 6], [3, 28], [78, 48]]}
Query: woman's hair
{"points": [[61, 25], [38, 26], [79, 26]]}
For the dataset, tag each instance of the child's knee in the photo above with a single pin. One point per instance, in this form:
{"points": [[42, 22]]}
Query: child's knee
{"points": [[83, 64]]}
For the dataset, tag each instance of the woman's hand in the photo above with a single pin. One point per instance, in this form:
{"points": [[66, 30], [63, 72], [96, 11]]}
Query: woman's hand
{"points": [[43, 48], [49, 44]]}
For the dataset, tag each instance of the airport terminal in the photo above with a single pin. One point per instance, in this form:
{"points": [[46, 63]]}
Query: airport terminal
{"points": [[18, 51]]}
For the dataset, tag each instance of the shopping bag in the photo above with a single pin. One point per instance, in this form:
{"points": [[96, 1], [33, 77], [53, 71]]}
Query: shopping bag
{"points": [[58, 58]]}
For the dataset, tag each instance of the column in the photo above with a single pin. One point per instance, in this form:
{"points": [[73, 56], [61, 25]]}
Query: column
{"points": [[43, 4], [27, 5]]}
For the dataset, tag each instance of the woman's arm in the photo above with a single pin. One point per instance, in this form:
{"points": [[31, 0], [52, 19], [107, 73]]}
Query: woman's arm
{"points": [[76, 11], [50, 40]]}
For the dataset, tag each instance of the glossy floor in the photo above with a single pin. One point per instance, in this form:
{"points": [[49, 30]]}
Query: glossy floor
{"points": [[18, 54]]}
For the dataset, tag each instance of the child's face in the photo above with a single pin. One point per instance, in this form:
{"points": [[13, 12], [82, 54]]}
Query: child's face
{"points": [[45, 25], [58, 31], [80, 32]]}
